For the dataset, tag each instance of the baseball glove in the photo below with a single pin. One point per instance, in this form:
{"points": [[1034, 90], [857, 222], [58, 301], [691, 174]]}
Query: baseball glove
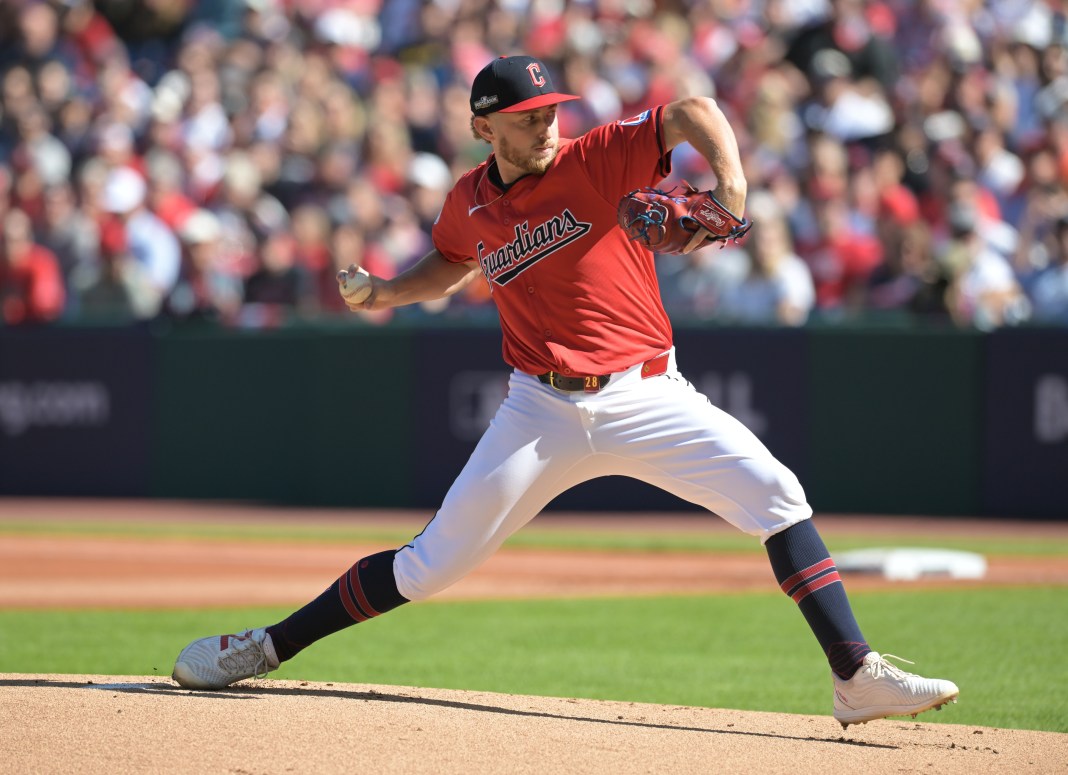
{"points": [[670, 221]]}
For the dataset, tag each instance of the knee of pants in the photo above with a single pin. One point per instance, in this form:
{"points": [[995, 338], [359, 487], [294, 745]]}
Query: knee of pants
{"points": [[772, 501], [419, 578]]}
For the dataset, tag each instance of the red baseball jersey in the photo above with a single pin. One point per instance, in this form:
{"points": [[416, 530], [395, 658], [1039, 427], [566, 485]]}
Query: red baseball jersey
{"points": [[574, 294]]}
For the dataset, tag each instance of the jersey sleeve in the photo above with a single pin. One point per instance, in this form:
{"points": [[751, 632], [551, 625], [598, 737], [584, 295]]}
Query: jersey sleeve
{"points": [[627, 154], [451, 233], [446, 233]]}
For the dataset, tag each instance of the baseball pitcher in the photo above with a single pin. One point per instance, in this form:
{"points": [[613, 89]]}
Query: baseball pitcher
{"points": [[564, 232]]}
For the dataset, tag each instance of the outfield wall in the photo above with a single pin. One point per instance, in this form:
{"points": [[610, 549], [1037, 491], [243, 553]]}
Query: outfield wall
{"points": [[877, 421]]}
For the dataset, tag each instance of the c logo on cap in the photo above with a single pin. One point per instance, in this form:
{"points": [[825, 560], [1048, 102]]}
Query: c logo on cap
{"points": [[534, 70]]}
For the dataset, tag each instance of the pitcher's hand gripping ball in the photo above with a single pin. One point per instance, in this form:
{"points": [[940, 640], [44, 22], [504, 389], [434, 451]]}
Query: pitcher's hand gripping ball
{"points": [[354, 284], [679, 220]]}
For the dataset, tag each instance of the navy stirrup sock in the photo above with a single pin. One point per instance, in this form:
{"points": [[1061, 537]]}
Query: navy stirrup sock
{"points": [[805, 571], [366, 590]]}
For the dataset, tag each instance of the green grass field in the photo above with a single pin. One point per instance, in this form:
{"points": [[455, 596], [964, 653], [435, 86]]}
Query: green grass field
{"points": [[532, 536], [1003, 647]]}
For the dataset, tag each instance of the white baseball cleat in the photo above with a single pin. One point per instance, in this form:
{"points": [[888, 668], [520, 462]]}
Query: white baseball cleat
{"points": [[218, 661], [880, 689]]}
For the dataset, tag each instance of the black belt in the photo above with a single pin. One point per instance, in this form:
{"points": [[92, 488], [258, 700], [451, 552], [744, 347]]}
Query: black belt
{"points": [[574, 384], [651, 368]]}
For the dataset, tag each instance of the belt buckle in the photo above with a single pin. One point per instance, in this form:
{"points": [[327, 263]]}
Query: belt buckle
{"points": [[553, 375]]}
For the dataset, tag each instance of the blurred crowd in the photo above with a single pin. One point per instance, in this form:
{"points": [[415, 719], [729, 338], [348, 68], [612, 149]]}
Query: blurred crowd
{"points": [[907, 159]]}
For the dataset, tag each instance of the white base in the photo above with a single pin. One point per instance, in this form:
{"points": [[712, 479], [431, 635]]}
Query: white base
{"points": [[904, 564]]}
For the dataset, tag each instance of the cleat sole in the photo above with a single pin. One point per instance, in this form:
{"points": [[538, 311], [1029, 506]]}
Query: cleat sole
{"points": [[913, 713]]}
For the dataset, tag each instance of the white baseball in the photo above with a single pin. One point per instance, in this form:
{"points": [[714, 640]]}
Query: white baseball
{"points": [[357, 287]]}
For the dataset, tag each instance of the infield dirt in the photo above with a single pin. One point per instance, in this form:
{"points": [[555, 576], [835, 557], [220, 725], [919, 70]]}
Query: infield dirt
{"points": [[61, 571]]}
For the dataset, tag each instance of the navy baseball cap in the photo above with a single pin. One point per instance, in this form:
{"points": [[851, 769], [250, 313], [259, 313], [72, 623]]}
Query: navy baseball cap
{"points": [[512, 84]]}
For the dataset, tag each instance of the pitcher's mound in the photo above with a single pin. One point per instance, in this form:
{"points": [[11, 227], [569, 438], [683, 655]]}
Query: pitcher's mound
{"points": [[120, 724]]}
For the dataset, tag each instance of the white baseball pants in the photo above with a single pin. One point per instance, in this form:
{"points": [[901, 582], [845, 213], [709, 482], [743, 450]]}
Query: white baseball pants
{"points": [[542, 442]]}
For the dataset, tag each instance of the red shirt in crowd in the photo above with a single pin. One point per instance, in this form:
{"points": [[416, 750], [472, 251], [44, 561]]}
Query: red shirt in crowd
{"points": [[841, 264], [31, 288]]}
